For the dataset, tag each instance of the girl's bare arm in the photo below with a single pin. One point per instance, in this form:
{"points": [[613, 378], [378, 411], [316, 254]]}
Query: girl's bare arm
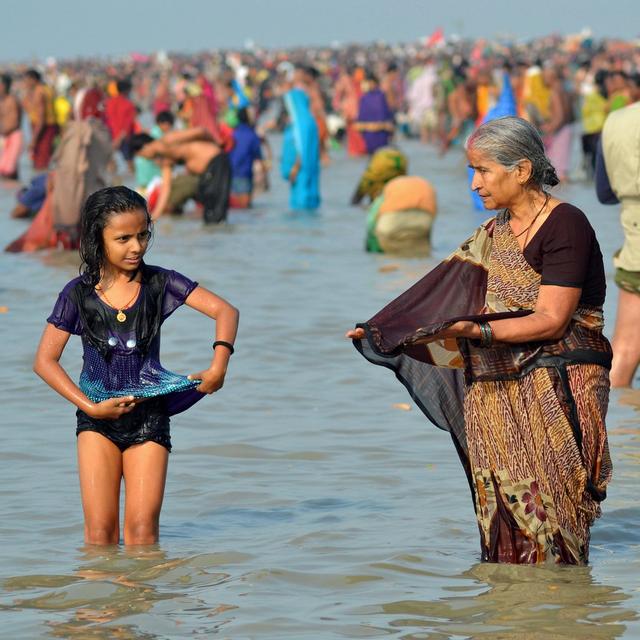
{"points": [[47, 366], [226, 317]]}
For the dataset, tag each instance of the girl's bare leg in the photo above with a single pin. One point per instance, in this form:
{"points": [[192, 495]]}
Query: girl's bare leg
{"points": [[100, 469], [145, 472]]}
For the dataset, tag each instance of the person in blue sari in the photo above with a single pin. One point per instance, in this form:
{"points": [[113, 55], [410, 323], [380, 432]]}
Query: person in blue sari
{"points": [[300, 163]]}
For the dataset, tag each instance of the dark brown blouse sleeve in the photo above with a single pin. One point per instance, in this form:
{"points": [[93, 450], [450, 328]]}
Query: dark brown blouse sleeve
{"points": [[566, 248]]}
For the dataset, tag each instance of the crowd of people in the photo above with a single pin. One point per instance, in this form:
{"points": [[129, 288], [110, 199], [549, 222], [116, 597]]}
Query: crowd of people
{"points": [[361, 96], [520, 345], [196, 127]]}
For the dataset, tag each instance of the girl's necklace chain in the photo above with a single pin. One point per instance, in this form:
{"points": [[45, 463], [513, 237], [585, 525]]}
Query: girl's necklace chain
{"points": [[120, 315]]}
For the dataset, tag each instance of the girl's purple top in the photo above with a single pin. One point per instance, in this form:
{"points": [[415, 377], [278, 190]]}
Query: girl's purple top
{"points": [[123, 358]]}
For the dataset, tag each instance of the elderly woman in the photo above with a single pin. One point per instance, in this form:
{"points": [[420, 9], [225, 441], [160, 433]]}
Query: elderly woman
{"points": [[502, 346]]}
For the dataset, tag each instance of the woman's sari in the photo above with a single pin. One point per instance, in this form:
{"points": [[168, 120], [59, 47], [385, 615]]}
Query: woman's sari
{"points": [[527, 419], [301, 143], [81, 160], [375, 120]]}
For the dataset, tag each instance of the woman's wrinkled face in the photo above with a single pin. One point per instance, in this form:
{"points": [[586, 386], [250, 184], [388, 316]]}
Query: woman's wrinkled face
{"points": [[498, 187], [125, 239]]}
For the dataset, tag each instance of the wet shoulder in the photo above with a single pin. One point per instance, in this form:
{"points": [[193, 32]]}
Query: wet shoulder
{"points": [[71, 285]]}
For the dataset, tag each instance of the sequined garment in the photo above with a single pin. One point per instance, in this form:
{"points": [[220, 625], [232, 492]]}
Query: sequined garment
{"points": [[123, 358]]}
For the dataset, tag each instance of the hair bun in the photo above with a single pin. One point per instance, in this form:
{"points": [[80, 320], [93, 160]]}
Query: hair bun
{"points": [[549, 176]]}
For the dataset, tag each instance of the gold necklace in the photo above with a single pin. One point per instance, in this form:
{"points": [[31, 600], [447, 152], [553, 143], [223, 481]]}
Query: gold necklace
{"points": [[120, 316]]}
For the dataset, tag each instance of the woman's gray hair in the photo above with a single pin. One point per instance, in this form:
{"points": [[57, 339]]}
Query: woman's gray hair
{"points": [[509, 140]]}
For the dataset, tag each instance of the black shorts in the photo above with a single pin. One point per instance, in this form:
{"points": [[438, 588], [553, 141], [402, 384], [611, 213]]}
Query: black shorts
{"points": [[148, 422]]}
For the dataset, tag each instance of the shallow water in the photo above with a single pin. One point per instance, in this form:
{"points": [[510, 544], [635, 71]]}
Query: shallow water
{"points": [[300, 502]]}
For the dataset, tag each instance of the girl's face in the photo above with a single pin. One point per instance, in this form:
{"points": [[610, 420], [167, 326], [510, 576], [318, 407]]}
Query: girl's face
{"points": [[125, 238]]}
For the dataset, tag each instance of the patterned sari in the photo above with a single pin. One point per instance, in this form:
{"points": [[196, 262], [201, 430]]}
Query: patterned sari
{"points": [[527, 420]]}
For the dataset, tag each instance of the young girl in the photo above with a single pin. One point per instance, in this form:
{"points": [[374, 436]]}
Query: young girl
{"points": [[125, 397]]}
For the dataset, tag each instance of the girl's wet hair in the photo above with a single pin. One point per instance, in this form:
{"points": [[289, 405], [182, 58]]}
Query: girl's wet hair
{"points": [[510, 140], [96, 213]]}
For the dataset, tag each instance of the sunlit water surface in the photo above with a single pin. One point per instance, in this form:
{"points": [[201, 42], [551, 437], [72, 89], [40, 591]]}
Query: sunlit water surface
{"points": [[300, 503]]}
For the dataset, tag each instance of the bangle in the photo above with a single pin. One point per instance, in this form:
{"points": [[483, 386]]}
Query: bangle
{"points": [[486, 334], [222, 343]]}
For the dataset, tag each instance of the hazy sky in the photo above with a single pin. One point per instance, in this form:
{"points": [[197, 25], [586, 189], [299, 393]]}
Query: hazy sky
{"points": [[40, 28]]}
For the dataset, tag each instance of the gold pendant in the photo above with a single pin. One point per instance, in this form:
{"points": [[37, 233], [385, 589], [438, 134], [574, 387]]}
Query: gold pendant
{"points": [[120, 316]]}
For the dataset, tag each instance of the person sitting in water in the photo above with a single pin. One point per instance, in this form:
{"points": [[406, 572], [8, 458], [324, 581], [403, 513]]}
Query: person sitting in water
{"points": [[208, 177], [385, 164], [400, 219], [80, 166], [30, 198], [246, 150]]}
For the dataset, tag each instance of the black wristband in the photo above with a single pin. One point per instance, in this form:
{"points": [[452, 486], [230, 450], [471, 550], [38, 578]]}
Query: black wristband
{"points": [[222, 343]]}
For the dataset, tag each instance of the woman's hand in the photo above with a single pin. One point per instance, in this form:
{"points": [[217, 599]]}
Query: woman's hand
{"points": [[112, 408], [212, 379], [355, 334]]}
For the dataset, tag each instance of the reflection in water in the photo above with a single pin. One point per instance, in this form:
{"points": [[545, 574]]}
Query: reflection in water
{"points": [[113, 583], [510, 602]]}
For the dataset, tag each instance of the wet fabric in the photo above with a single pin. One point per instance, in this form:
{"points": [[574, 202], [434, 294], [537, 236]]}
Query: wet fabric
{"points": [[527, 420], [386, 163], [43, 148], [10, 149], [147, 422], [346, 99], [406, 232], [246, 149], [421, 95], [400, 220], [184, 187], [81, 160], [32, 195], [301, 144], [214, 188], [408, 192], [375, 120], [241, 186], [123, 358]]}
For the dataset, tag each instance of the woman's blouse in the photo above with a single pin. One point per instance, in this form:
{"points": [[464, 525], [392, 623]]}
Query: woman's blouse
{"points": [[566, 253]]}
